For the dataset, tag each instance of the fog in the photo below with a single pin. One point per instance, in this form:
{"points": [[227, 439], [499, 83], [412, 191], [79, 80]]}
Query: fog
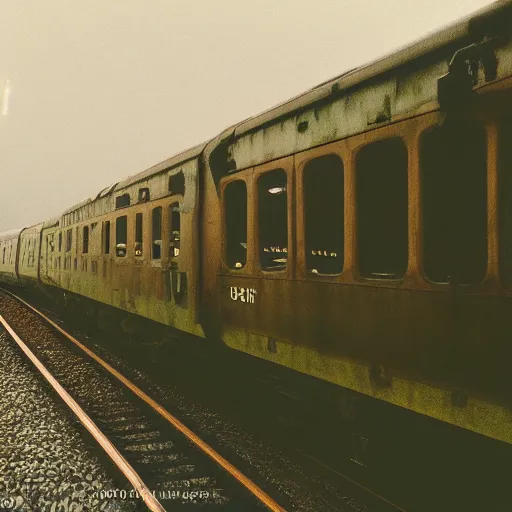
{"points": [[95, 91]]}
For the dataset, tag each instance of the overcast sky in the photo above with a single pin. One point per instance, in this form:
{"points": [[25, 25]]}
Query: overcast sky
{"points": [[103, 89]]}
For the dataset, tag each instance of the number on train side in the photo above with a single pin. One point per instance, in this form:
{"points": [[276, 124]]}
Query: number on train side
{"points": [[247, 295]]}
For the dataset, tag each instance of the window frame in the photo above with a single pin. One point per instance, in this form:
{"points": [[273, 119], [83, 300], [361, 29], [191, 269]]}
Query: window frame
{"points": [[245, 177], [286, 164]]}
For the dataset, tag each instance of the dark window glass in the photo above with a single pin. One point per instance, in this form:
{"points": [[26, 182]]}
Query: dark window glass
{"points": [[273, 220], [323, 210], [235, 207], [453, 160], [106, 237], [121, 235], [156, 233], [3, 259], [174, 230], [69, 239], [177, 184], [85, 249], [382, 209], [138, 234], [60, 242], [123, 201]]}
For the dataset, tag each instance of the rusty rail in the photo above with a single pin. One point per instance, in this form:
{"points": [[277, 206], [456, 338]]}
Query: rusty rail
{"points": [[152, 503], [259, 493]]}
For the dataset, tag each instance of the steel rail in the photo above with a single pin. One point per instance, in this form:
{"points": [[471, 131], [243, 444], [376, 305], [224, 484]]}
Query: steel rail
{"points": [[259, 493], [124, 466]]}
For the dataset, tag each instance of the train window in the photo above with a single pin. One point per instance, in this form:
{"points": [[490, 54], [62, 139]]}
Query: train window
{"points": [[235, 211], [85, 240], [138, 234], [156, 233], [177, 184], [69, 239], [174, 230], [382, 209], [106, 237], [273, 220], [143, 195], [121, 236], [505, 200], [122, 201], [323, 211], [453, 160]]}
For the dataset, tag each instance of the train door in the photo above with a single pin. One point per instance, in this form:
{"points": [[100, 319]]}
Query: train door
{"points": [[255, 281]]}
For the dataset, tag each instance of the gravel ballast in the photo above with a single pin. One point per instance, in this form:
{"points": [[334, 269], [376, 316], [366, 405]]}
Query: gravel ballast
{"points": [[44, 462]]}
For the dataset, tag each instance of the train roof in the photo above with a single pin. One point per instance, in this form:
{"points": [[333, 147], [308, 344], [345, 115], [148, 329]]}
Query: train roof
{"points": [[171, 162], [9, 235], [486, 21]]}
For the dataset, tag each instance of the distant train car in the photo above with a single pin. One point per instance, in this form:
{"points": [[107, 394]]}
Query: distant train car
{"points": [[8, 253], [358, 233]]}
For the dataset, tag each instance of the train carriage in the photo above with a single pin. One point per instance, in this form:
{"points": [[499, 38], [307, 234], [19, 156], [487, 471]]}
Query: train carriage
{"points": [[364, 229], [358, 233]]}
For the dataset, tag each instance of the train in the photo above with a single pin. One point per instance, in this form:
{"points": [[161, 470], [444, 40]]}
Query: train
{"points": [[359, 233]]}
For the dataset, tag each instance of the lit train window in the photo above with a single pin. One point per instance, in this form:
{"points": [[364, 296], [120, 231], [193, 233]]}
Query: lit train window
{"points": [[121, 236], [323, 211], [106, 237], [273, 220], [174, 230], [156, 233], [85, 240], [453, 162], [138, 233], [69, 239], [235, 210], [382, 209], [505, 200]]}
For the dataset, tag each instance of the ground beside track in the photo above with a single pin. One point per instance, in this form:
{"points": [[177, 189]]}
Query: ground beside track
{"points": [[44, 462]]}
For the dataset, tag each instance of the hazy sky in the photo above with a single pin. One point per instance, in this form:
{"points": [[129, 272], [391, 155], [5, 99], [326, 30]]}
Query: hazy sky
{"points": [[102, 89]]}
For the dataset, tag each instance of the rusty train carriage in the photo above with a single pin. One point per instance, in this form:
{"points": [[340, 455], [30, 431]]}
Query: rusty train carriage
{"points": [[419, 338], [358, 233]]}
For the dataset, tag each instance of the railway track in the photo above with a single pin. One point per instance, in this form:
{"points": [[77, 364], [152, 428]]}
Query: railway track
{"points": [[165, 464]]}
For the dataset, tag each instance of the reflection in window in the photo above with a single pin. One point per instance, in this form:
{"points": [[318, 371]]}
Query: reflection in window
{"points": [[156, 233], [235, 208], [382, 209], [138, 234], [323, 209], [121, 236], [273, 220], [174, 230], [453, 161]]}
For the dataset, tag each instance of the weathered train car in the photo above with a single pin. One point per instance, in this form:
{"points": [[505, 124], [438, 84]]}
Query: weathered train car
{"points": [[134, 246], [8, 252], [360, 234], [28, 255]]}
